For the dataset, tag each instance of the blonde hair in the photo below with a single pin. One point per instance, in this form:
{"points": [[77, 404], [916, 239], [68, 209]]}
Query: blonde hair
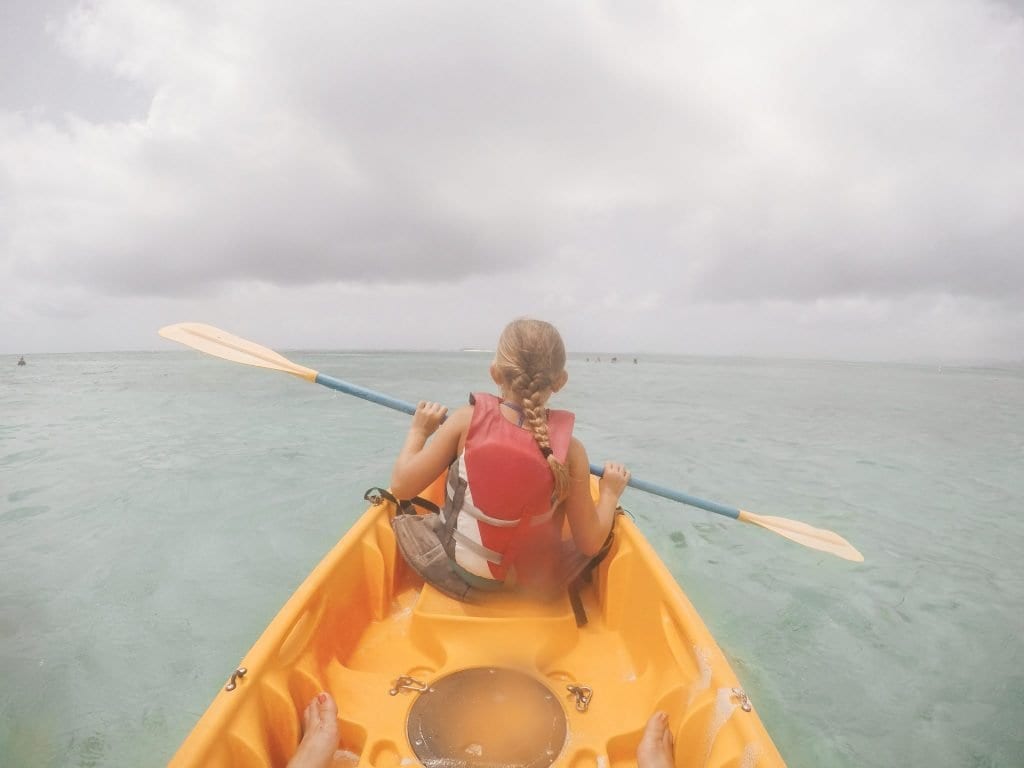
{"points": [[530, 358]]}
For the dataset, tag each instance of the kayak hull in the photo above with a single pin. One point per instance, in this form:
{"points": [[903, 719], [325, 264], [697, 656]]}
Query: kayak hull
{"points": [[363, 619]]}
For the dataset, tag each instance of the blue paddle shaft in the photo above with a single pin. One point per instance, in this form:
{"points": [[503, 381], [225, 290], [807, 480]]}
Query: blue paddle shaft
{"points": [[640, 485], [365, 394], [669, 493]]}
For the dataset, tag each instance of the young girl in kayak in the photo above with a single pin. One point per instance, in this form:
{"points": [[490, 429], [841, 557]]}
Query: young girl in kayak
{"points": [[515, 473]]}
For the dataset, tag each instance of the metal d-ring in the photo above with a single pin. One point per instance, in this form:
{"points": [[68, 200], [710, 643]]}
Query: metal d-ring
{"points": [[583, 694], [232, 683], [745, 704], [406, 683]]}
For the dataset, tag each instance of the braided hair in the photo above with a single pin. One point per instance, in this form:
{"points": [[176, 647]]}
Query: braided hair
{"points": [[530, 358]]}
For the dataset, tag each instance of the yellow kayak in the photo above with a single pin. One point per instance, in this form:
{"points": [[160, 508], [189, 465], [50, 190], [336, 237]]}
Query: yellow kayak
{"points": [[422, 679]]}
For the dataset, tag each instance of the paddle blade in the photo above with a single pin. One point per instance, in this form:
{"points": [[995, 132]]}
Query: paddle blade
{"points": [[214, 341], [808, 535]]}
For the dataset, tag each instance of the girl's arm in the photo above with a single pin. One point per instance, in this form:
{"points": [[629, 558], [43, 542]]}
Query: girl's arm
{"points": [[591, 523], [419, 463]]}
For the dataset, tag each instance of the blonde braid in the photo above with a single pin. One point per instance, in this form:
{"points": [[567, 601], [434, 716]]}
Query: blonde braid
{"points": [[536, 418], [530, 355]]}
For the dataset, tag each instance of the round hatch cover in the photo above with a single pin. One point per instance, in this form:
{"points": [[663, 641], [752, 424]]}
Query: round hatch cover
{"points": [[487, 717]]}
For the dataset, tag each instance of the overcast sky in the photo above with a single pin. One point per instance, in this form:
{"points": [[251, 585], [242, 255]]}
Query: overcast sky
{"points": [[797, 178]]}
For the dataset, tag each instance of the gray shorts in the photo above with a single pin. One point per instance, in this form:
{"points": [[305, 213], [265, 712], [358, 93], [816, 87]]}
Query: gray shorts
{"points": [[421, 541]]}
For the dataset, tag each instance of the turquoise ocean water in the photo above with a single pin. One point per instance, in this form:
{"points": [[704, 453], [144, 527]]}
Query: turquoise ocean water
{"points": [[157, 509]]}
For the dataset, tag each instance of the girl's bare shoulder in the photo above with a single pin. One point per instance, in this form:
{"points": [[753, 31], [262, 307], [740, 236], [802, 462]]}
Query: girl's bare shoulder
{"points": [[576, 456], [461, 415]]}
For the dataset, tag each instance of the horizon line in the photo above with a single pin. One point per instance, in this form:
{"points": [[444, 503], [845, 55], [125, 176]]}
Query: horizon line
{"points": [[950, 361]]}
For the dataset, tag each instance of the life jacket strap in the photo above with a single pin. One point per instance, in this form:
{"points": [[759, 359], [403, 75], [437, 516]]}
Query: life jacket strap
{"points": [[376, 495], [479, 549]]}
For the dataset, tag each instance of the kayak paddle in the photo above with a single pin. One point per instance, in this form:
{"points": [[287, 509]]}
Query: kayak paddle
{"points": [[218, 343]]}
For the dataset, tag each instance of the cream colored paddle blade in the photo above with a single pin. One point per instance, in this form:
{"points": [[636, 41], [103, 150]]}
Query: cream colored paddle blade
{"points": [[214, 341], [808, 535]]}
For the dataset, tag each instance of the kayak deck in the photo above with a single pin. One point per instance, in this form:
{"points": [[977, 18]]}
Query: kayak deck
{"points": [[363, 619]]}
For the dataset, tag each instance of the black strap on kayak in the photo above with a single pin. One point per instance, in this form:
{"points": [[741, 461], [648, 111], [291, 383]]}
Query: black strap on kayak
{"points": [[577, 603], [376, 495], [587, 576]]}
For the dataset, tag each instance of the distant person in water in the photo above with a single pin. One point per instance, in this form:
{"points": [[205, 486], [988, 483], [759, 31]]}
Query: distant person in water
{"points": [[320, 738], [518, 473], [21, 360]]}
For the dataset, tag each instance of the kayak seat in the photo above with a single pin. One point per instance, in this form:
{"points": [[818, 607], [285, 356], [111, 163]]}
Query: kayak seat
{"points": [[471, 631]]}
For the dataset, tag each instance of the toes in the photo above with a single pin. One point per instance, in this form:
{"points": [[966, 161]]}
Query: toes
{"points": [[326, 706], [655, 747], [310, 715], [322, 711], [656, 729]]}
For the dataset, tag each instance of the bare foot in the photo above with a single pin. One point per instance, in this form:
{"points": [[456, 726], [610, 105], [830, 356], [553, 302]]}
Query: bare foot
{"points": [[319, 734], [655, 748]]}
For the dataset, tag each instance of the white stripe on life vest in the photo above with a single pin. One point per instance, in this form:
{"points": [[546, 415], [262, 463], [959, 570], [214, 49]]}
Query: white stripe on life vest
{"points": [[469, 530]]}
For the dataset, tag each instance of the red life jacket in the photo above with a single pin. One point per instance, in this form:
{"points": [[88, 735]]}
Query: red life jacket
{"points": [[498, 502]]}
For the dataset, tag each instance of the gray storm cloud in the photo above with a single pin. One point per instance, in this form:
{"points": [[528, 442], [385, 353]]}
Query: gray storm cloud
{"points": [[724, 152]]}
